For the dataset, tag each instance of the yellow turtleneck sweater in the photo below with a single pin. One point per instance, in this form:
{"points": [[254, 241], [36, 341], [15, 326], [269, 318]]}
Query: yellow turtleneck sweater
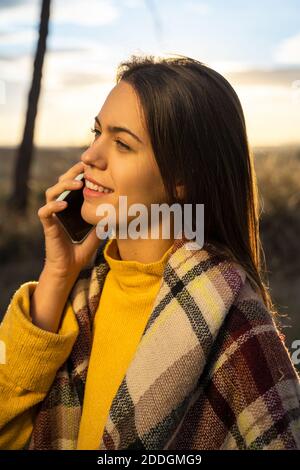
{"points": [[125, 305]]}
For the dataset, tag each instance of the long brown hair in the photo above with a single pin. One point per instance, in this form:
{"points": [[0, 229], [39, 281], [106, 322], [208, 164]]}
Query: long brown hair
{"points": [[198, 134]]}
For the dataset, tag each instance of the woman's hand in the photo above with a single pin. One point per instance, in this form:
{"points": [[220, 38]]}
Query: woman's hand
{"points": [[64, 258]]}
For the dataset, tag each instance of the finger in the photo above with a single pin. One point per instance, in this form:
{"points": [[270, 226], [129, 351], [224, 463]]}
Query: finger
{"points": [[73, 171], [46, 212], [54, 191]]}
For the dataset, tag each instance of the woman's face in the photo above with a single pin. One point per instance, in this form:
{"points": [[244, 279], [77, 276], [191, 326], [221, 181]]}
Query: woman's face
{"points": [[132, 171]]}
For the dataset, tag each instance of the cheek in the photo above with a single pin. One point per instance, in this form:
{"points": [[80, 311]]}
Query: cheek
{"points": [[137, 175], [147, 189], [142, 184]]}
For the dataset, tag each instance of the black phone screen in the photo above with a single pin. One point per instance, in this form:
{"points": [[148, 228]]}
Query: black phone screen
{"points": [[71, 217]]}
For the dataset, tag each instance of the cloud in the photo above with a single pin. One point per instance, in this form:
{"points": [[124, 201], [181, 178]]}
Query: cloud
{"points": [[229, 66], [12, 3], [27, 36], [133, 3], [85, 79], [265, 77], [288, 51], [19, 14], [69, 59], [62, 67], [198, 8], [66, 70], [18, 70], [91, 13], [77, 12], [271, 113]]}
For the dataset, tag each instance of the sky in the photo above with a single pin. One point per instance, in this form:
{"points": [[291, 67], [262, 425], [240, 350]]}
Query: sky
{"points": [[254, 44]]}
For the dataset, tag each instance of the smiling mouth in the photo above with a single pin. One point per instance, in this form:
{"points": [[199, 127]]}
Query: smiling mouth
{"points": [[97, 188]]}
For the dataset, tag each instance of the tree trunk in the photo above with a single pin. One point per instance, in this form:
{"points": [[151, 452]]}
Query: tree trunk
{"points": [[19, 197]]}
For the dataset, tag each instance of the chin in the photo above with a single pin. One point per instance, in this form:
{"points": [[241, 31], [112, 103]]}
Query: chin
{"points": [[88, 214]]}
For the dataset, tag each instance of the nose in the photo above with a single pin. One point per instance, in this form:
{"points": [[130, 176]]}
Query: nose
{"points": [[91, 158]]}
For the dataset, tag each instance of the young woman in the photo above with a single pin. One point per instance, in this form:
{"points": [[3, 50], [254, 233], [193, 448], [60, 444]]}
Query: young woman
{"points": [[143, 343]]}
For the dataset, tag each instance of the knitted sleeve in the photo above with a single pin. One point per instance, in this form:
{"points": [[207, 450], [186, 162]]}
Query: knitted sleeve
{"points": [[249, 396], [29, 360]]}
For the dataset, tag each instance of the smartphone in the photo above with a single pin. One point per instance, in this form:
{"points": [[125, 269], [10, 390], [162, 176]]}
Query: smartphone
{"points": [[70, 218]]}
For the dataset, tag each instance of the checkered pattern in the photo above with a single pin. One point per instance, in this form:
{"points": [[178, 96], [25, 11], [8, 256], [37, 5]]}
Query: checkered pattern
{"points": [[211, 370]]}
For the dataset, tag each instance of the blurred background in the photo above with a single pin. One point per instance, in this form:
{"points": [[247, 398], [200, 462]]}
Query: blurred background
{"points": [[58, 61]]}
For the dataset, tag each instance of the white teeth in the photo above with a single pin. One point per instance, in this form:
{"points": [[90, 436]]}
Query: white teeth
{"points": [[95, 187]]}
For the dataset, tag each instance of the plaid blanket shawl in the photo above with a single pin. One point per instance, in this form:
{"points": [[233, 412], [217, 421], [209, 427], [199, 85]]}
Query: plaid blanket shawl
{"points": [[211, 370]]}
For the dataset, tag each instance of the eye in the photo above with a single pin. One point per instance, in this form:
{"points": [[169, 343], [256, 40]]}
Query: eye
{"points": [[124, 146], [97, 133]]}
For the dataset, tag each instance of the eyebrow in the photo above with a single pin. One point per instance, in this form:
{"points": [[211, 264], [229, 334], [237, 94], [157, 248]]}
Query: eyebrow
{"points": [[115, 129]]}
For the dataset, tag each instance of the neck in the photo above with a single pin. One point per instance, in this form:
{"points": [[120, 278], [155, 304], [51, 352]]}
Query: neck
{"points": [[143, 250]]}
